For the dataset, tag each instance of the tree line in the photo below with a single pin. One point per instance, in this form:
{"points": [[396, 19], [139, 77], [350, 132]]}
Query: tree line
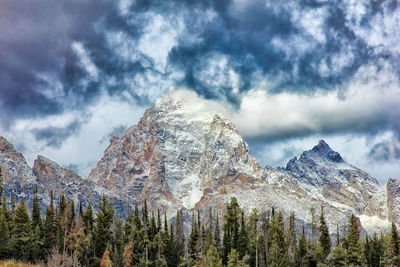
{"points": [[69, 235]]}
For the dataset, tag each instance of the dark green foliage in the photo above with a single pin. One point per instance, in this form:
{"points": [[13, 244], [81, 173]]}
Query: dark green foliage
{"points": [[243, 241], [118, 245], [253, 238], [50, 226], [141, 240], [179, 233], [233, 259], [375, 252], [301, 251], [324, 237], [4, 235], [102, 231], [278, 252], [212, 258], [36, 217], [339, 257], [22, 234], [231, 228], [88, 220], [354, 251], [193, 240], [291, 237]]}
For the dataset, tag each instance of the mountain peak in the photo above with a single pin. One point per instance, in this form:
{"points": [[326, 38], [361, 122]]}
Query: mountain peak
{"points": [[7, 149], [325, 150]]}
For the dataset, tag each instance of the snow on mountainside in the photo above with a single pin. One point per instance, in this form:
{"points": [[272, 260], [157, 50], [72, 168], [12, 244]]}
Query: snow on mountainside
{"points": [[324, 174], [178, 150], [183, 155]]}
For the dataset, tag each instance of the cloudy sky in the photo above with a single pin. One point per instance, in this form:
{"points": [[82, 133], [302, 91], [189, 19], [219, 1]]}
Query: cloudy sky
{"points": [[73, 73]]}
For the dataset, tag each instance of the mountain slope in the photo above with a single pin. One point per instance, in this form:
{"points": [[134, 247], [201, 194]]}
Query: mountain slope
{"points": [[183, 155], [323, 173], [177, 151]]}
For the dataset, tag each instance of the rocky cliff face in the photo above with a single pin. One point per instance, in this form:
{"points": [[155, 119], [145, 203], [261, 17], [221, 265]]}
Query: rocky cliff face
{"points": [[177, 152], [324, 174], [53, 177], [182, 155], [393, 199], [21, 180]]}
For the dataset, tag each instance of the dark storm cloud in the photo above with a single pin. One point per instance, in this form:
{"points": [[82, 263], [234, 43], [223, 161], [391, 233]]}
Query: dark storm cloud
{"points": [[36, 39], [54, 136], [62, 55]]}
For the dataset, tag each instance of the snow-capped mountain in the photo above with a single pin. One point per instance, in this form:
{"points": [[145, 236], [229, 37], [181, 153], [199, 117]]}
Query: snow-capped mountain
{"points": [[177, 152], [183, 155]]}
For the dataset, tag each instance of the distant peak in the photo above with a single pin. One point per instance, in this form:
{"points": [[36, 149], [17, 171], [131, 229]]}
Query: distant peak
{"points": [[325, 150], [322, 147]]}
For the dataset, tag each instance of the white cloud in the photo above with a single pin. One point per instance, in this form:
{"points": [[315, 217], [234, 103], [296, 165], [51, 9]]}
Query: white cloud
{"points": [[84, 148], [159, 38], [372, 96], [85, 60]]}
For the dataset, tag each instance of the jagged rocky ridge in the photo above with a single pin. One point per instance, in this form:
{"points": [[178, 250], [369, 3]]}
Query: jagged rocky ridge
{"points": [[46, 175], [181, 155]]}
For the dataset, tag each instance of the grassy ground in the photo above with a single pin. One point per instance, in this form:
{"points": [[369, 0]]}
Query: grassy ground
{"points": [[17, 264]]}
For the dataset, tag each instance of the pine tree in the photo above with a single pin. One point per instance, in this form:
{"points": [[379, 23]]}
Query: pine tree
{"points": [[118, 246], [4, 236], [324, 237], [22, 235], [179, 234], [212, 258], [137, 237], [278, 252], [376, 250], [231, 228], [37, 244], [243, 241], [128, 227], [81, 244], [354, 252], [6, 212], [291, 237], [102, 231], [339, 257], [171, 252], [193, 239], [50, 226], [89, 220], [253, 238], [392, 248], [233, 259], [265, 230], [301, 251], [36, 216]]}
